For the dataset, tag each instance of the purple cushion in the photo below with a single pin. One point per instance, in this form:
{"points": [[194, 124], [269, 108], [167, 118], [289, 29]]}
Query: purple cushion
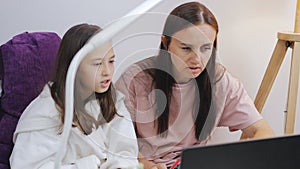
{"points": [[26, 64], [28, 60], [7, 127], [5, 154], [3, 166]]}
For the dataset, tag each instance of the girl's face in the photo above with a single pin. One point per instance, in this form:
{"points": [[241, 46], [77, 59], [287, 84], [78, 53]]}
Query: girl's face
{"points": [[96, 70], [190, 51]]}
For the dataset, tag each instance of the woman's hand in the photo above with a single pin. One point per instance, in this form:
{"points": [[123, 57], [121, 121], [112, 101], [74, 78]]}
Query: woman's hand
{"points": [[151, 165], [159, 166]]}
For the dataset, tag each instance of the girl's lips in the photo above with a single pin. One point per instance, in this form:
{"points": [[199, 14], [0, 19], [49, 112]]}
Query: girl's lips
{"points": [[105, 83]]}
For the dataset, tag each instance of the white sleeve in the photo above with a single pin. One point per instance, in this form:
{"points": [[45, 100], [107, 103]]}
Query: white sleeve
{"points": [[37, 149], [122, 142], [89, 162]]}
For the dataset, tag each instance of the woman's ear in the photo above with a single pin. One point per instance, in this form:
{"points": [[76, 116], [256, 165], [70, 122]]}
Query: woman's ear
{"points": [[163, 41]]}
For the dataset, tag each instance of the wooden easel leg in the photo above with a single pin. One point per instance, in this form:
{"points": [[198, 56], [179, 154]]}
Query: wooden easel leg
{"points": [[293, 89], [270, 74]]}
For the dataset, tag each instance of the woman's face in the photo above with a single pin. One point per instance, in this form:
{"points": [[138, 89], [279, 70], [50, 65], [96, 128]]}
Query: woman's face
{"points": [[190, 51], [96, 70]]}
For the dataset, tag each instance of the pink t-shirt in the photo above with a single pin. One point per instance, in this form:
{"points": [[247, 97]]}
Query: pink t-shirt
{"points": [[234, 109]]}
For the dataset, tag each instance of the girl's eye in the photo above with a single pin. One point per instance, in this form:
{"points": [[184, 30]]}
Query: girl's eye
{"points": [[112, 61], [97, 64]]}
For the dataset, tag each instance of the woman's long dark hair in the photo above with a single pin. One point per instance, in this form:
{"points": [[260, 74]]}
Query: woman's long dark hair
{"points": [[73, 40], [188, 14]]}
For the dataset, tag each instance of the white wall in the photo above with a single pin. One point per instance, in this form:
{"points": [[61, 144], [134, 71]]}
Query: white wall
{"points": [[247, 35]]}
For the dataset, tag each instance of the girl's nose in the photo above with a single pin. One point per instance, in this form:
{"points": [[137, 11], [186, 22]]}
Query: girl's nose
{"points": [[105, 70]]}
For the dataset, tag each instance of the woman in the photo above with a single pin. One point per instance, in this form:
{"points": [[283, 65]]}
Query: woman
{"points": [[102, 135], [179, 97]]}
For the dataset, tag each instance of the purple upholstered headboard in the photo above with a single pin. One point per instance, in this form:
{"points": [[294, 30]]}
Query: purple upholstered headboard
{"points": [[26, 64]]}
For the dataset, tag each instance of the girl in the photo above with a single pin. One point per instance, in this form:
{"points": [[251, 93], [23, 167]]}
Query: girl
{"points": [[102, 135]]}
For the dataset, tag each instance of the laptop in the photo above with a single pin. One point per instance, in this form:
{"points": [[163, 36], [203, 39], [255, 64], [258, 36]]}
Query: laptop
{"points": [[272, 153]]}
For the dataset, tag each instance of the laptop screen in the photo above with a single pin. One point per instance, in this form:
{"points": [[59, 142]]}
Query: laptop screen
{"points": [[272, 153]]}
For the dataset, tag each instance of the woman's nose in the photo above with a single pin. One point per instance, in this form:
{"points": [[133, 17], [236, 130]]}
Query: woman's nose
{"points": [[196, 55]]}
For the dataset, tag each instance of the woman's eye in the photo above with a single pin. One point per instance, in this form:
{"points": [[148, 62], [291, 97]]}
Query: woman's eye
{"points": [[186, 48], [205, 48], [112, 61]]}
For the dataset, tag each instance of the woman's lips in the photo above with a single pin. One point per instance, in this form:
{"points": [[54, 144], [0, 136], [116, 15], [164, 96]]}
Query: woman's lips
{"points": [[194, 69]]}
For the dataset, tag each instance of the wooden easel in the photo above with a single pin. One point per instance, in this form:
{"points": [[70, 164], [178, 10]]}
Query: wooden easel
{"points": [[285, 40]]}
